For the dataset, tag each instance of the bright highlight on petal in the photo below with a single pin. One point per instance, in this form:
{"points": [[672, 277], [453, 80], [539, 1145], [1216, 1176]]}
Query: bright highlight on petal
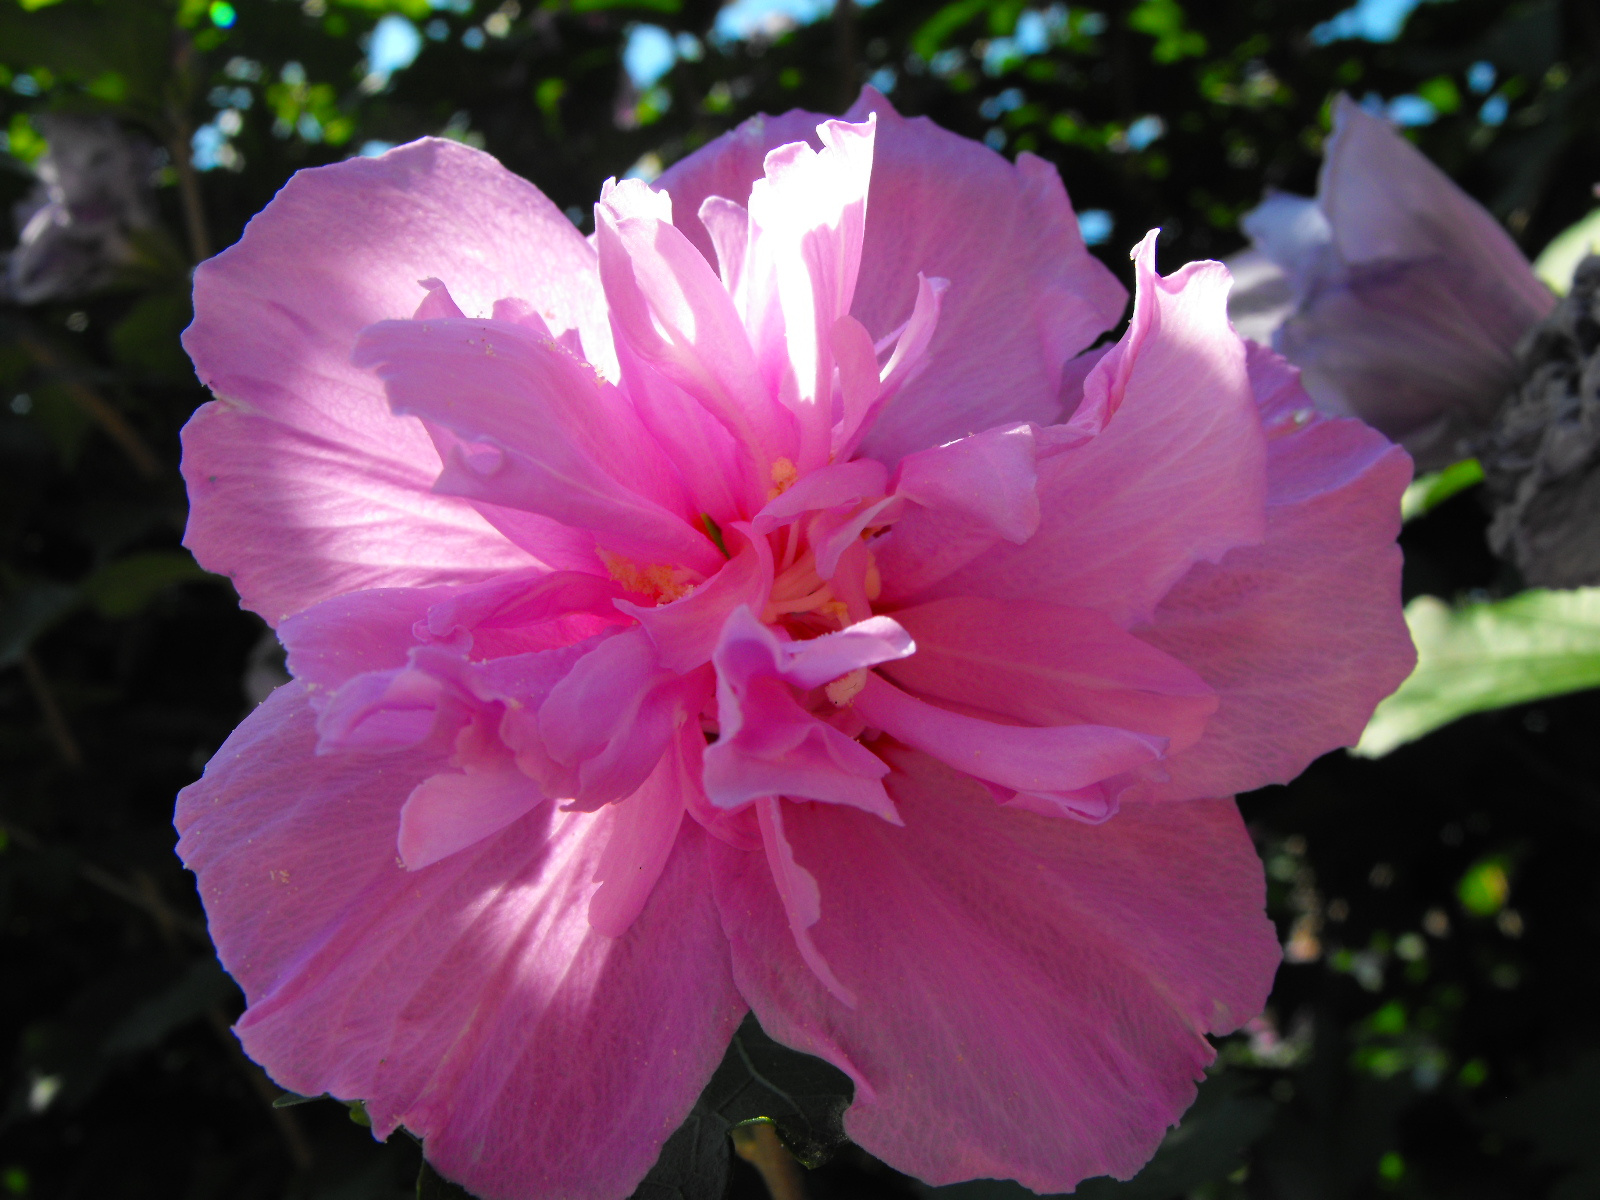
{"points": [[768, 605]]}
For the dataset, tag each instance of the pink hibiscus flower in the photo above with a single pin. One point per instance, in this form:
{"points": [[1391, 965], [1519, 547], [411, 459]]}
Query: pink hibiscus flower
{"points": [[759, 607]]}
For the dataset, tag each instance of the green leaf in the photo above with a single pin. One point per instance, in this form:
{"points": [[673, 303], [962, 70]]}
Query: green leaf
{"points": [[1488, 655], [295, 1100], [127, 586], [146, 339], [23, 141], [417, 10], [938, 29], [758, 1079], [1558, 260], [1442, 93], [660, 6], [1164, 21], [1433, 489]]}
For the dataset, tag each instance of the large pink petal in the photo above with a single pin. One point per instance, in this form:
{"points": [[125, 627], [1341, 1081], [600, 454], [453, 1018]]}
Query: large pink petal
{"points": [[726, 167], [1046, 664], [1302, 635], [674, 316], [357, 632], [807, 218], [644, 830], [301, 483], [1049, 759], [538, 432], [1025, 295], [452, 810], [470, 1001], [1032, 995], [1177, 476], [991, 477]]}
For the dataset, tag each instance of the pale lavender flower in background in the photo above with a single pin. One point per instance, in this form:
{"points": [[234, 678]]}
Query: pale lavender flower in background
{"points": [[1404, 298], [74, 230]]}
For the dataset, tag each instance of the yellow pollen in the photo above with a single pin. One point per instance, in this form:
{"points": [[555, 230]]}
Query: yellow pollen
{"points": [[660, 582], [847, 687], [783, 477]]}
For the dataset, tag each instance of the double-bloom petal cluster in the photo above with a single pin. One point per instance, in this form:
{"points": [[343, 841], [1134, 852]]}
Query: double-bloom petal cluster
{"points": [[767, 604]]}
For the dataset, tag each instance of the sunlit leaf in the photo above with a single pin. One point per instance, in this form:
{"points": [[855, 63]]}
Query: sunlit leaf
{"points": [[1433, 489], [417, 10], [1488, 655], [1164, 21], [938, 29], [1558, 260], [661, 6]]}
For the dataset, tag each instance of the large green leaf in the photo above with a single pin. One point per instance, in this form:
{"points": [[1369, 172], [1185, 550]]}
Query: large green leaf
{"points": [[1483, 656]]}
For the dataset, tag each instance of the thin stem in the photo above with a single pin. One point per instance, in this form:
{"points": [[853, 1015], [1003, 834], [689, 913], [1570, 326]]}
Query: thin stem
{"points": [[144, 897], [180, 146], [98, 408], [758, 1144], [54, 719], [845, 49], [194, 213], [289, 1128], [144, 894]]}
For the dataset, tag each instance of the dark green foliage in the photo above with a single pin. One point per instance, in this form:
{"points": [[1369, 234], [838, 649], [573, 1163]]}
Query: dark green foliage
{"points": [[757, 1080], [1435, 1032]]}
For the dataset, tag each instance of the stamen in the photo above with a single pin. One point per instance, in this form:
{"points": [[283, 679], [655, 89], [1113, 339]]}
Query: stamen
{"points": [[799, 577], [813, 602], [659, 581], [791, 547], [783, 478], [847, 687], [872, 580]]}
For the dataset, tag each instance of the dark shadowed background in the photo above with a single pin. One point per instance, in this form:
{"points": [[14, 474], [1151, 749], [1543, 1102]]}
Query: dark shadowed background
{"points": [[1435, 1031]]}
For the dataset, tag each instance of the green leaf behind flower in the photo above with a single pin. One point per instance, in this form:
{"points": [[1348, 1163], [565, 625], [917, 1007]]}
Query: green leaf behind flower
{"points": [[1483, 656], [804, 1098]]}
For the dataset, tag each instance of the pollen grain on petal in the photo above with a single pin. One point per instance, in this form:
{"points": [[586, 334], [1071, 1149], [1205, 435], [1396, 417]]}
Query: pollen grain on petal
{"points": [[662, 582]]}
